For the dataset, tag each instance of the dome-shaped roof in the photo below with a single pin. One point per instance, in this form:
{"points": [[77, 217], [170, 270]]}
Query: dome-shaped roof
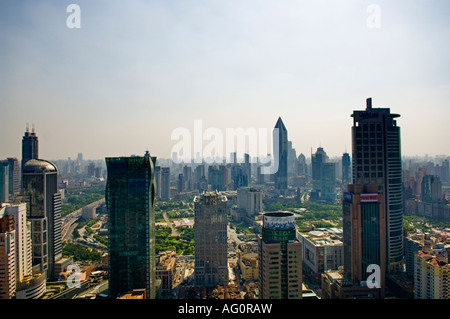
{"points": [[38, 166]]}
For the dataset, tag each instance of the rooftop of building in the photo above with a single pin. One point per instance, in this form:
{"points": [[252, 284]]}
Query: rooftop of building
{"points": [[38, 166]]}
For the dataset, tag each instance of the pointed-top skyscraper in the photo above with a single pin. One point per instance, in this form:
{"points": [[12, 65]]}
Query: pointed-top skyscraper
{"points": [[280, 149]]}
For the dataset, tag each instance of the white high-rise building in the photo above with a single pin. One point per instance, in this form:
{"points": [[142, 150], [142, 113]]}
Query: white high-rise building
{"points": [[15, 243]]}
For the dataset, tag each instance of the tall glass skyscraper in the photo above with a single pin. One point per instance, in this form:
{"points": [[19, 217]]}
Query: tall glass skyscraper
{"points": [[130, 196], [30, 146], [40, 190], [281, 155], [376, 158]]}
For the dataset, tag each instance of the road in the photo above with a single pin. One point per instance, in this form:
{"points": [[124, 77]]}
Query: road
{"points": [[70, 219], [169, 223]]}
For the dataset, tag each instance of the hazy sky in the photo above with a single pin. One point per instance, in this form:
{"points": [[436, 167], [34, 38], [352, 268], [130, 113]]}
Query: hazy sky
{"points": [[136, 70]]}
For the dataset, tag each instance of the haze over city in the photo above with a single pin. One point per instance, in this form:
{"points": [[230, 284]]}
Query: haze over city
{"points": [[132, 73]]}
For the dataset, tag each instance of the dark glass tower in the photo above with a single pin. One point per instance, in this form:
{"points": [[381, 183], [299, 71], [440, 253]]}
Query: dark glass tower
{"points": [[30, 146], [346, 169], [377, 161], [281, 155], [40, 190], [130, 196]]}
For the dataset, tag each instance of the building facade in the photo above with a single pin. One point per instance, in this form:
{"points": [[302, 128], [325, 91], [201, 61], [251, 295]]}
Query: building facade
{"points": [[280, 258], [40, 190], [130, 196], [377, 161], [210, 238], [364, 234]]}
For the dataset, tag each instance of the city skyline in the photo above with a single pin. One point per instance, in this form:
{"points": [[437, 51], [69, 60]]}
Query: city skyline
{"points": [[128, 71]]}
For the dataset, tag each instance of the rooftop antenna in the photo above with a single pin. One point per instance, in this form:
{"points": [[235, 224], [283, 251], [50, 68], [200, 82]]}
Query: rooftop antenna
{"points": [[28, 127], [32, 128]]}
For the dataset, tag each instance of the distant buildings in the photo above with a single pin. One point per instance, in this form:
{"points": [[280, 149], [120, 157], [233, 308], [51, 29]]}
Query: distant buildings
{"points": [[346, 169], [280, 258], [130, 195], [165, 183], [323, 177], [210, 237]]}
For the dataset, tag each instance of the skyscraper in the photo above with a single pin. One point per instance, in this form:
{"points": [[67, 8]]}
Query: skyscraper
{"points": [[4, 181], [328, 182], [280, 150], [30, 146], [40, 190], [346, 169], [210, 237], [165, 183], [431, 187], [22, 238], [364, 234], [377, 161], [280, 258], [130, 196], [317, 159]]}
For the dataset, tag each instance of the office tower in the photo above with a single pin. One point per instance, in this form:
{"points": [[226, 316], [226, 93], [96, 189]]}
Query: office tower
{"points": [[180, 183], [260, 177], [210, 237], [317, 160], [249, 200], [4, 181], [165, 182], [364, 228], [130, 196], [346, 169], [40, 190], [238, 177], [22, 238], [431, 189], [292, 167], [431, 275], [280, 150], [7, 258], [328, 182], [30, 146], [158, 181], [14, 176], [376, 160], [187, 173], [91, 169], [280, 258], [200, 178], [247, 169], [301, 165]]}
